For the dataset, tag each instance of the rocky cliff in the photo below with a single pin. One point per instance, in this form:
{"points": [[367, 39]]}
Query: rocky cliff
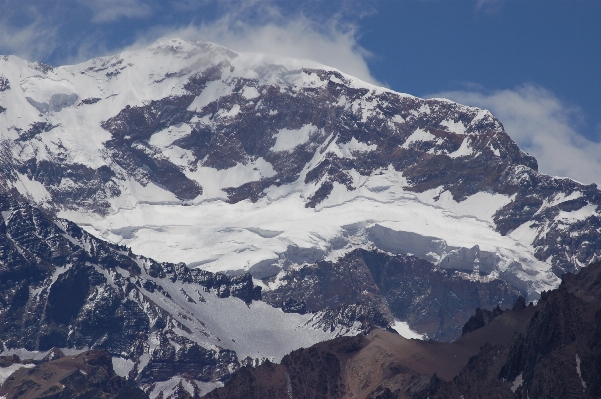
{"points": [[550, 350], [61, 287]]}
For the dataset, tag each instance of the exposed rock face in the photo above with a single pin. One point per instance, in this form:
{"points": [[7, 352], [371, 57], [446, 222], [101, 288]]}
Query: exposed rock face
{"points": [[4, 84], [557, 357], [6, 361], [88, 375], [315, 372], [434, 301], [53, 272], [251, 135], [61, 287], [550, 350], [481, 318], [379, 365]]}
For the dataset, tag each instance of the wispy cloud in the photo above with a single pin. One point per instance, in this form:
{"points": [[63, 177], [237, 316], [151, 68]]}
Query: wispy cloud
{"points": [[330, 42], [25, 32], [111, 10], [543, 126], [47, 31], [489, 6]]}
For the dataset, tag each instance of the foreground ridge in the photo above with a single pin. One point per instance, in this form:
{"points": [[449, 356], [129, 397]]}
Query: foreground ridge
{"points": [[549, 350]]}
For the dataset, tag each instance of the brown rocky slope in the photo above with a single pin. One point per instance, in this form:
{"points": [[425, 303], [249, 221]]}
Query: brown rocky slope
{"points": [[551, 350], [87, 375]]}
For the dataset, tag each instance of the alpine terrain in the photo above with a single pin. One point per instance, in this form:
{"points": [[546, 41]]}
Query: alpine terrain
{"points": [[191, 212]]}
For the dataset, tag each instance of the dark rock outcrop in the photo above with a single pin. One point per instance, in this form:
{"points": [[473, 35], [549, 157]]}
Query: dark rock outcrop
{"points": [[435, 301], [87, 375], [313, 373], [558, 356], [550, 350], [4, 84], [481, 318], [61, 287]]}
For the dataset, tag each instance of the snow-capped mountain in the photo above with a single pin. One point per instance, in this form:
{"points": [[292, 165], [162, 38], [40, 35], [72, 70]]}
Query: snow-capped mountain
{"points": [[163, 323], [324, 188]]}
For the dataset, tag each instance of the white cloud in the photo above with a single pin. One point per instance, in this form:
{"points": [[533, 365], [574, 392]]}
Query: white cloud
{"points": [[330, 43], [488, 6], [32, 41], [111, 10], [543, 126], [247, 26]]}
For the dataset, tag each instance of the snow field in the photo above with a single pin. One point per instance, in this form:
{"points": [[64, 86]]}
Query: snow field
{"points": [[222, 237]]}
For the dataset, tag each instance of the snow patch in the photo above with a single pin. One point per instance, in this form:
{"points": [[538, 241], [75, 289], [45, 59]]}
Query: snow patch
{"points": [[250, 92], [418, 136], [579, 372], [32, 189], [213, 181], [122, 366], [342, 101], [6, 372], [576, 216], [494, 150], [258, 330], [405, 331], [169, 387], [212, 92], [464, 150], [482, 205], [42, 89], [232, 112], [39, 355], [288, 139], [167, 136], [517, 383], [354, 145], [398, 119], [454, 127]]}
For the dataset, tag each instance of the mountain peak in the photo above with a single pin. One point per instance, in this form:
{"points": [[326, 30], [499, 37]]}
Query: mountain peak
{"points": [[143, 147]]}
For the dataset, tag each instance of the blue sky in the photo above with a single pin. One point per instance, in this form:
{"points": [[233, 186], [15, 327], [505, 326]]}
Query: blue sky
{"points": [[535, 64]]}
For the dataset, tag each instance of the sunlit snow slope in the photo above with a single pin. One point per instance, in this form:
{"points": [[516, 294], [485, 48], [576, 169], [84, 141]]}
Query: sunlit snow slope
{"points": [[187, 151], [163, 323]]}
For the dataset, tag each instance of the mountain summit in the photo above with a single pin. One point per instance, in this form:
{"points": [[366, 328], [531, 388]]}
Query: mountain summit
{"points": [[370, 206]]}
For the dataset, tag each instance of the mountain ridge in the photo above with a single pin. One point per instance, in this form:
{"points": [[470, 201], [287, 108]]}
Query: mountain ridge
{"points": [[63, 288], [143, 153], [324, 202], [548, 350]]}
